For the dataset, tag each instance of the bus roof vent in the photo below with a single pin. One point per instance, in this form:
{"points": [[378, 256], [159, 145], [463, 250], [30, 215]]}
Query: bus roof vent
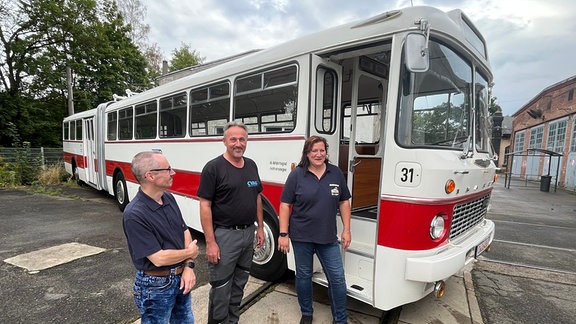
{"points": [[378, 19]]}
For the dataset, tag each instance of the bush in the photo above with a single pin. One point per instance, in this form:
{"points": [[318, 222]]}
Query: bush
{"points": [[52, 175], [7, 175]]}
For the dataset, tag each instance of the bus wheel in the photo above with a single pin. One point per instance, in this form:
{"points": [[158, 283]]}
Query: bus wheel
{"points": [[76, 175], [120, 191], [268, 263], [391, 317]]}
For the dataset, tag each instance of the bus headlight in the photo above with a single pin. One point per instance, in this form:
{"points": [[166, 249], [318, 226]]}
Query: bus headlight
{"points": [[436, 227]]}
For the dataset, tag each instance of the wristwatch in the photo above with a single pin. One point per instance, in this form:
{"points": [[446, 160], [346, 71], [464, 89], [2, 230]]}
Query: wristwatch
{"points": [[283, 234], [190, 264]]}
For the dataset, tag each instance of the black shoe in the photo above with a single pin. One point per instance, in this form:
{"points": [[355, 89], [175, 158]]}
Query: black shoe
{"points": [[306, 319]]}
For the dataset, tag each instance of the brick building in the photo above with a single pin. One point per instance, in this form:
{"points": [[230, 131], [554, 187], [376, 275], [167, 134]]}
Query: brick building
{"points": [[544, 136]]}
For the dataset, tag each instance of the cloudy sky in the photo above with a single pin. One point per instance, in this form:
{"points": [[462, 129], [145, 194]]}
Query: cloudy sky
{"points": [[531, 43]]}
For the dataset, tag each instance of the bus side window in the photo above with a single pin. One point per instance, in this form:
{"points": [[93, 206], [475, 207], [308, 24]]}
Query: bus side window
{"points": [[145, 120], [79, 129], [266, 102], [209, 109], [173, 115], [112, 126], [65, 131], [125, 123]]}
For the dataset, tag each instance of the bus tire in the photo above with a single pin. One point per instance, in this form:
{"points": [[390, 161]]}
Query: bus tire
{"points": [[268, 263], [75, 174], [120, 191], [391, 316]]}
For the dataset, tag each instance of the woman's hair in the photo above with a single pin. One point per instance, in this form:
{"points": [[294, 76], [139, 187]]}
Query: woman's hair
{"points": [[308, 144]]}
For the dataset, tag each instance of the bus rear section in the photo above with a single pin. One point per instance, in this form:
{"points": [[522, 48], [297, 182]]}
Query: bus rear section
{"points": [[83, 147]]}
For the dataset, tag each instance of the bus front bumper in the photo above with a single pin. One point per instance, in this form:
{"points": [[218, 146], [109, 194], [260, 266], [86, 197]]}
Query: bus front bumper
{"points": [[451, 258]]}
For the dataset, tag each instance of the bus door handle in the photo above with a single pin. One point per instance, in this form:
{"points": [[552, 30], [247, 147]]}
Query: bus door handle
{"points": [[461, 172], [353, 164]]}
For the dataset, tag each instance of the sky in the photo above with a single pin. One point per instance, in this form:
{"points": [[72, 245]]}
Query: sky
{"points": [[531, 43]]}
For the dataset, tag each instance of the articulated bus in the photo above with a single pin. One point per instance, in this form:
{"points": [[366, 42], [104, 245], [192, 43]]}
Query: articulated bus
{"points": [[402, 99]]}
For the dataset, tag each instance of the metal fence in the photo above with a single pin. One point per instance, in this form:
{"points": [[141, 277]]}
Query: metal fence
{"points": [[35, 156]]}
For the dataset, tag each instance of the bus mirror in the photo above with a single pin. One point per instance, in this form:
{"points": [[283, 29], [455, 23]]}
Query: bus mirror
{"points": [[416, 53]]}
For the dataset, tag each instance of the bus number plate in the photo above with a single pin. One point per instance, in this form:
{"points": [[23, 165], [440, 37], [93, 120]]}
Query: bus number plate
{"points": [[482, 247]]}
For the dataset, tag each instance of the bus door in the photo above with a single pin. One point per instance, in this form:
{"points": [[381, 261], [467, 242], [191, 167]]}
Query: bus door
{"points": [[361, 148], [90, 152], [361, 140]]}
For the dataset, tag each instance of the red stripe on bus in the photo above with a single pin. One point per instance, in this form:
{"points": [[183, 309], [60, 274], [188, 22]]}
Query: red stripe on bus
{"points": [[186, 183], [80, 160]]}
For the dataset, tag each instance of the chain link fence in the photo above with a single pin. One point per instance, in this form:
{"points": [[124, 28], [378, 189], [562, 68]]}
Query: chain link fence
{"points": [[35, 156]]}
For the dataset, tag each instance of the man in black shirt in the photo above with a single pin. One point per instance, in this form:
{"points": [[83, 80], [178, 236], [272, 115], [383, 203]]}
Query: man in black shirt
{"points": [[230, 202]]}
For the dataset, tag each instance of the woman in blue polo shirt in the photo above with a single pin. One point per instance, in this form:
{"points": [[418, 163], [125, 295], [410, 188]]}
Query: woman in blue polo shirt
{"points": [[315, 190]]}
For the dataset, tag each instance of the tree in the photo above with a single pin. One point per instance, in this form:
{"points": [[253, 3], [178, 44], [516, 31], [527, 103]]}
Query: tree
{"points": [[184, 57], [134, 14], [39, 39], [494, 106]]}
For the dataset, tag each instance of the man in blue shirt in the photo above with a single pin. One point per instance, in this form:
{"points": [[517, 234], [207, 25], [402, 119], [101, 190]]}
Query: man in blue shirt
{"points": [[160, 245]]}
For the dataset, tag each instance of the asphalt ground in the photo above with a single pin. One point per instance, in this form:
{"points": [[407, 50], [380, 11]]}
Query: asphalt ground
{"points": [[529, 275], [536, 287], [97, 288]]}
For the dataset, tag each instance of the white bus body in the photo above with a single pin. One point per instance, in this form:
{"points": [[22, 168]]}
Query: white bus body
{"points": [[402, 99]]}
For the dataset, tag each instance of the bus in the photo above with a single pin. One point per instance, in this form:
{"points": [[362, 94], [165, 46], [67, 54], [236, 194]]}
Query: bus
{"points": [[402, 99]]}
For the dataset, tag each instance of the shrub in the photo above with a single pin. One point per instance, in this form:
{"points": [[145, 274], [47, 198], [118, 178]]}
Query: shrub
{"points": [[52, 175], [7, 175]]}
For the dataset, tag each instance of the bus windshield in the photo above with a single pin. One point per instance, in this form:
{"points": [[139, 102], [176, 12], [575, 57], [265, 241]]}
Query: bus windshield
{"points": [[436, 107]]}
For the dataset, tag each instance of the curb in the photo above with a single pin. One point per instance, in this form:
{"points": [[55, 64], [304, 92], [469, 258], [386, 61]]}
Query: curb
{"points": [[473, 307]]}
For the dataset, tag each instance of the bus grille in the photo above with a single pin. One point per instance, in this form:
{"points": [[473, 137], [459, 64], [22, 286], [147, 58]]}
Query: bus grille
{"points": [[467, 215]]}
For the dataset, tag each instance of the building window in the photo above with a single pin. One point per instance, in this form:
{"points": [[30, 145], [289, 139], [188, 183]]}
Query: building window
{"points": [[570, 94], [573, 144], [536, 136], [557, 135], [519, 141]]}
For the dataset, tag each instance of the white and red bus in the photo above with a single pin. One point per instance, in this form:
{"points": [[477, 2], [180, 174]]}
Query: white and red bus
{"points": [[402, 99]]}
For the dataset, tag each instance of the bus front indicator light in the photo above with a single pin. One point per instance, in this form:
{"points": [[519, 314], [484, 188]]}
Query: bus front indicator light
{"points": [[450, 186], [437, 227]]}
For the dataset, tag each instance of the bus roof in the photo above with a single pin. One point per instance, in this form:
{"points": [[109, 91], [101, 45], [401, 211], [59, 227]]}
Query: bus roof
{"points": [[323, 43]]}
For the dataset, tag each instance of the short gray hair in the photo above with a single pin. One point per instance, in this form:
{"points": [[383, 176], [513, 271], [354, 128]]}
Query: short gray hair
{"points": [[141, 163], [234, 123]]}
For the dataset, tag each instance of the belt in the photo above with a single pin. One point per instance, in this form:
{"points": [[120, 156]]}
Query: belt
{"points": [[163, 273], [235, 227]]}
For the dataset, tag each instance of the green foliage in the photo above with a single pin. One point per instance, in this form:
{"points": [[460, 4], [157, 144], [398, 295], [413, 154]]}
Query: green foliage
{"points": [[22, 172], [494, 106], [38, 40], [7, 175], [439, 125], [184, 57]]}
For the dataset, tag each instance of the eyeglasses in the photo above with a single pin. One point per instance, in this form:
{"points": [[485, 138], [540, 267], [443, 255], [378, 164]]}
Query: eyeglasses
{"points": [[169, 169]]}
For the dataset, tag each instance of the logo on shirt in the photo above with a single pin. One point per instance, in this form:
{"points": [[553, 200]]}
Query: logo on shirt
{"points": [[335, 189], [252, 183]]}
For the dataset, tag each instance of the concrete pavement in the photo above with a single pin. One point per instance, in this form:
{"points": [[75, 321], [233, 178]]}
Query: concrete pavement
{"points": [[279, 304]]}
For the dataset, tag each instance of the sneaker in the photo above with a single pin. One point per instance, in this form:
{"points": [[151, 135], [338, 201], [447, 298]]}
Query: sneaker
{"points": [[306, 319]]}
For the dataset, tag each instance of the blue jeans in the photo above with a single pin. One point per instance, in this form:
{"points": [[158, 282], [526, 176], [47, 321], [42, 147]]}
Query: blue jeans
{"points": [[331, 260], [160, 299]]}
